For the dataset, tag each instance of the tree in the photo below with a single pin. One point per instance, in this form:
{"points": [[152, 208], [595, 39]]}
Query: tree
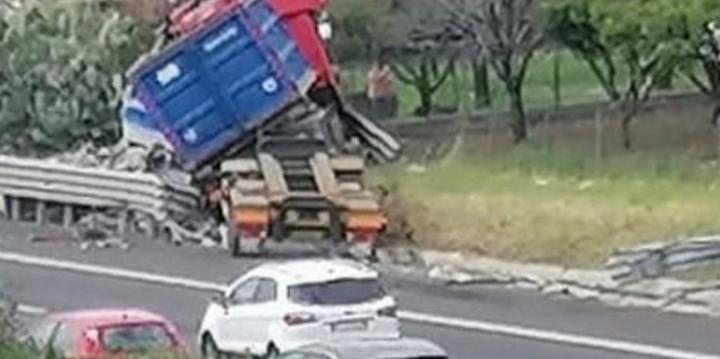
{"points": [[426, 69], [507, 33], [426, 54], [631, 46], [701, 65], [62, 69], [706, 53], [481, 82]]}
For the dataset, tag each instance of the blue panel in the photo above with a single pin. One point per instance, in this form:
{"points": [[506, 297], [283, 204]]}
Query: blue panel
{"points": [[205, 91]]}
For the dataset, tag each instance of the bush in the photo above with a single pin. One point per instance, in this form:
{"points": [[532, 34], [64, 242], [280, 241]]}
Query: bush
{"points": [[62, 69]]}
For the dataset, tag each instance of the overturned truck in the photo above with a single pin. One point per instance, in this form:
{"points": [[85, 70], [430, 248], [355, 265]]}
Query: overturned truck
{"points": [[245, 99]]}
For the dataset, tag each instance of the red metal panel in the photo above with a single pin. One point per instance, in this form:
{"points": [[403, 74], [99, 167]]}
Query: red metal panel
{"points": [[299, 17], [187, 18], [294, 7]]}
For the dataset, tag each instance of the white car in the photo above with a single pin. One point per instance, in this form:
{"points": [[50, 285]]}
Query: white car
{"points": [[283, 306], [401, 348]]}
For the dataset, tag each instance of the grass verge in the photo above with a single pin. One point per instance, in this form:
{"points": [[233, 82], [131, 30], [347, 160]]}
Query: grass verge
{"points": [[550, 206]]}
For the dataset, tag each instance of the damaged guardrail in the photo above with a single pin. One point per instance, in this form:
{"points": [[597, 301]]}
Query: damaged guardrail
{"points": [[48, 182], [660, 259]]}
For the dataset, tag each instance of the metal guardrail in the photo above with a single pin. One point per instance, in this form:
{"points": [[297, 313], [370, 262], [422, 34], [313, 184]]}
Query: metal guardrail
{"points": [[657, 260], [101, 188]]}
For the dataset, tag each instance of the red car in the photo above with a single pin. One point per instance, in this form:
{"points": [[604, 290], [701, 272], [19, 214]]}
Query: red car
{"points": [[108, 333]]}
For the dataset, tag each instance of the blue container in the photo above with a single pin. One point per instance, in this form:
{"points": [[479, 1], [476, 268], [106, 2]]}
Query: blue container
{"points": [[208, 90]]}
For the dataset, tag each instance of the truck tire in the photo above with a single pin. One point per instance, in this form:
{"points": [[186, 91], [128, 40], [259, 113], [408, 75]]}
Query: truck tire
{"points": [[236, 246]]}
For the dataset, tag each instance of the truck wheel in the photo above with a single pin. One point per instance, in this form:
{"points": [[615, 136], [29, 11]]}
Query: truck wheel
{"points": [[272, 352], [236, 246]]}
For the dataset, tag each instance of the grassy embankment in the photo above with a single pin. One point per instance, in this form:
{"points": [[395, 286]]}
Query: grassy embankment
{"points": [[553, 207]]}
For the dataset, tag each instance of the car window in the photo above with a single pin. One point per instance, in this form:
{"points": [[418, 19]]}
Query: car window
{"points": [[341, 292], [266, 291], [245, 292], [147, 337]]}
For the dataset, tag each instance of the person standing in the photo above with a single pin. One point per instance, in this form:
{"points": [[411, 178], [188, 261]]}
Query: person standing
{"points": [[380, 91]]}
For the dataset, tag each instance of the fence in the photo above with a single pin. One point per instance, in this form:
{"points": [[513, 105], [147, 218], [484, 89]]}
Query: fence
{"points": [[446, 125], [679, 123]]}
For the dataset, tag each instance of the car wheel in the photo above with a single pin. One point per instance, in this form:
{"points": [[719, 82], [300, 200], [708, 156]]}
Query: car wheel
{"points": [[272, 352], [209, 348]]}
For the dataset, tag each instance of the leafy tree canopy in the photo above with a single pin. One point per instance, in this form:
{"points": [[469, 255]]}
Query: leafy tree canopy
{"points": [[62, 67]]}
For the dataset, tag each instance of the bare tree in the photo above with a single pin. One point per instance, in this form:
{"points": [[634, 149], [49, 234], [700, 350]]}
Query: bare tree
{"points": [[508, 33], [425, 73]]}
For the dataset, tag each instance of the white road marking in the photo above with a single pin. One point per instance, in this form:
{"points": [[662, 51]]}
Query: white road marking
{"points": [[31, 310], [555, 337], [110, 272], [422, 318]]}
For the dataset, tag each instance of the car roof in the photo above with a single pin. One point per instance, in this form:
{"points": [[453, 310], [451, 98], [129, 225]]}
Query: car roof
{"points": [[308, 271], [107, 317], [400, 348]]}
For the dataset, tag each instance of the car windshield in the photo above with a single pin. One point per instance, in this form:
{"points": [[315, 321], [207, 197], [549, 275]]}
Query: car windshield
{"points": [[150, 337], [339, 292]]}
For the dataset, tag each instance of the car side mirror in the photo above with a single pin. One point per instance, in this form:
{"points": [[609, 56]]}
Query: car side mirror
{"points": [[221, 300]]}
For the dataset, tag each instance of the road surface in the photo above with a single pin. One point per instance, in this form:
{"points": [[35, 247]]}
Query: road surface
{"points": [[59, 289]]}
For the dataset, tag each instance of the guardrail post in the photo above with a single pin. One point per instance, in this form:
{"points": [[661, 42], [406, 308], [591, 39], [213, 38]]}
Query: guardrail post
{"points": [[67, 215], [14, 208], [122, 223], [40, 212]]}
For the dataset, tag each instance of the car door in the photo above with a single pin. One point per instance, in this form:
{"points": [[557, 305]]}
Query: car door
{"points": [[231, 330], [261, 314]]}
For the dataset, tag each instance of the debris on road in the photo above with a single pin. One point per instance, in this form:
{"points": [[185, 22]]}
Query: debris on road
{"points": [[665, 294]]}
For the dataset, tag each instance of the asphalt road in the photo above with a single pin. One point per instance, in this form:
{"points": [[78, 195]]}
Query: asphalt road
{"points": [[60, 290]]}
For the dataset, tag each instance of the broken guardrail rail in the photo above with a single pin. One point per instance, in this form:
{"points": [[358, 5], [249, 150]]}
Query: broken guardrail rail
{"points": [[46, 183], [660, 259]]}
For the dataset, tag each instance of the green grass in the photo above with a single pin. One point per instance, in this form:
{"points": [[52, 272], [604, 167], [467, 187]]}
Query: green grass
{"points": [[554, 207], [578, 85]]}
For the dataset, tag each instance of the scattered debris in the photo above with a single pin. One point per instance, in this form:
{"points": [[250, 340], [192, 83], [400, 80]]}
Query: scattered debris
{"points": [[586, 185], [666, 294], [102, 230], [416, 169], [52, 235], [541, 182]]}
